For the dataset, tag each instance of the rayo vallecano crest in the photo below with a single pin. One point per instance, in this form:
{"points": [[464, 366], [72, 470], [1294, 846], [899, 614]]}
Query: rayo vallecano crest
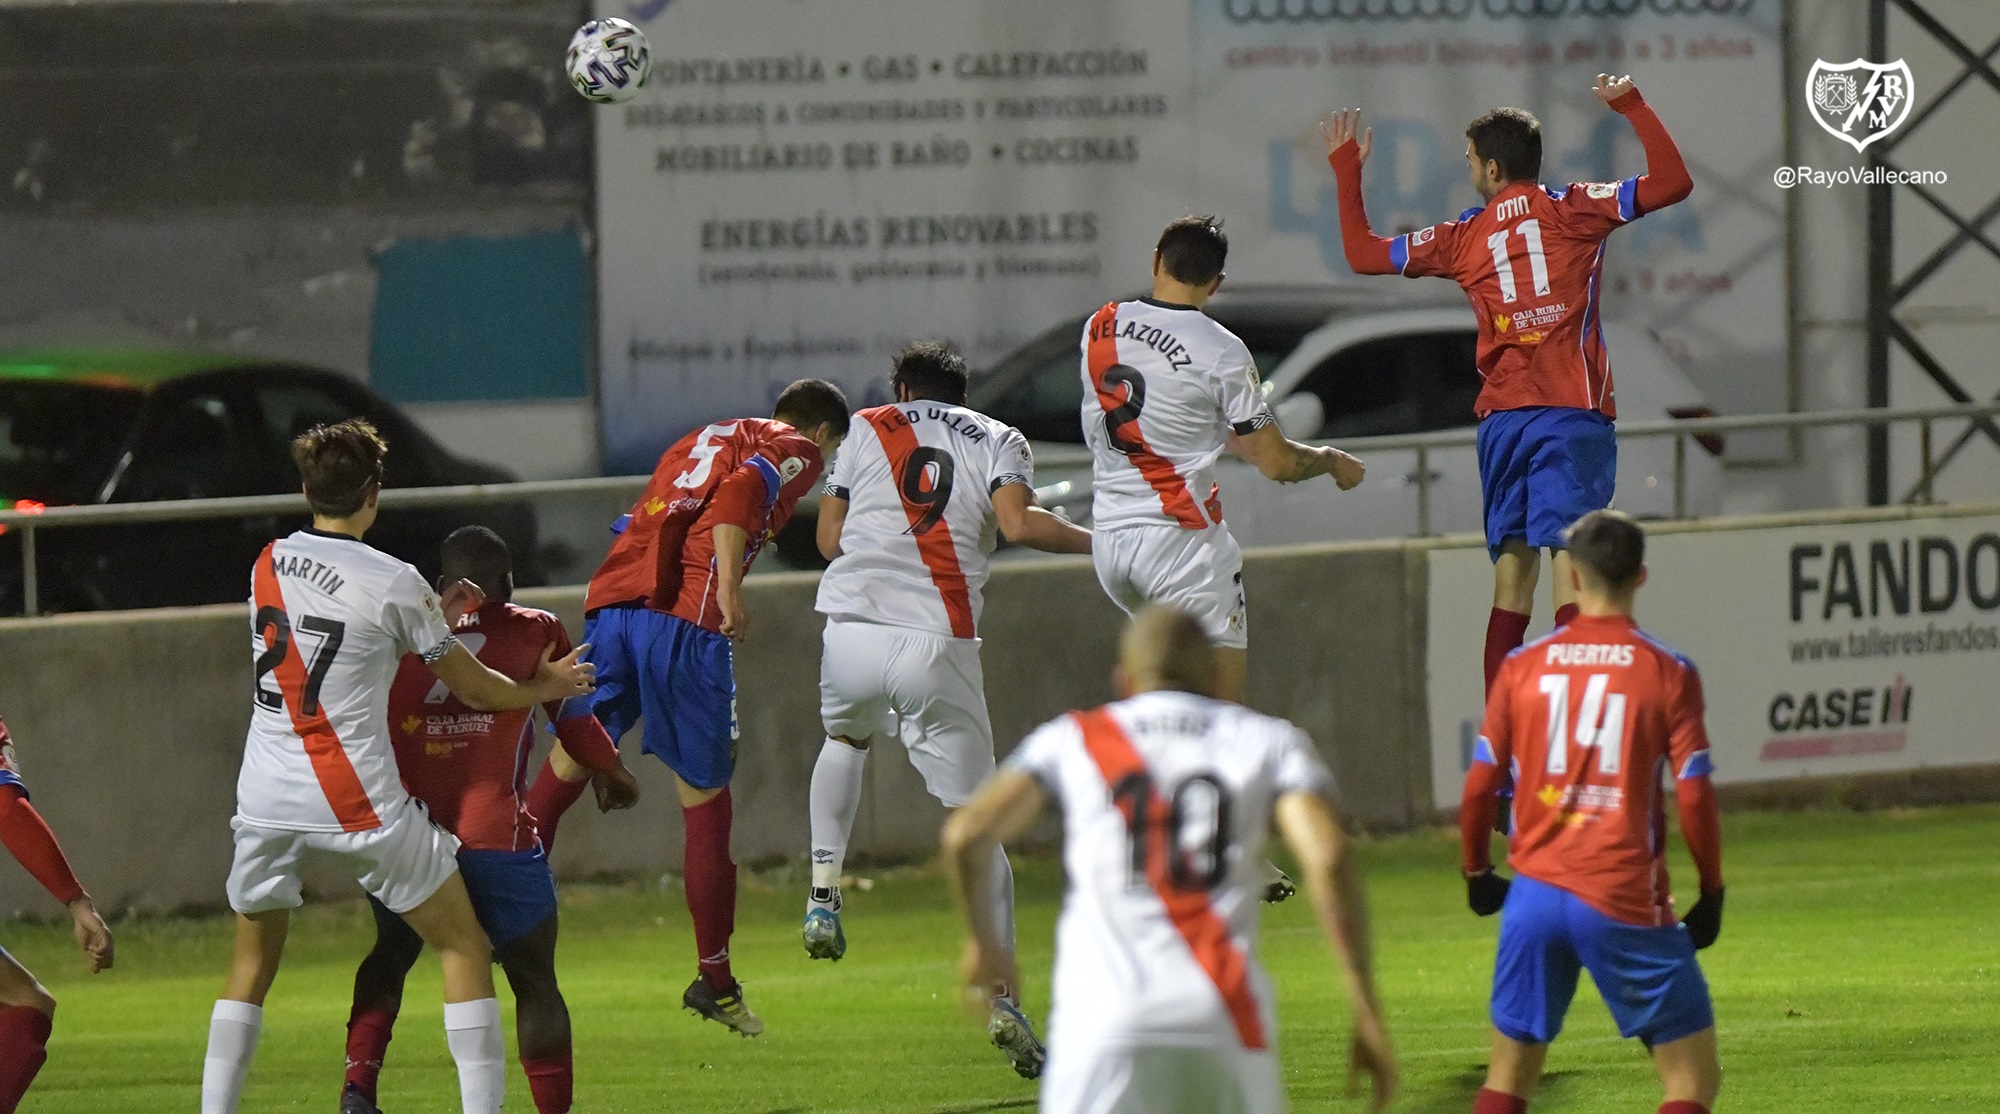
{"points": [[1860, 101]]}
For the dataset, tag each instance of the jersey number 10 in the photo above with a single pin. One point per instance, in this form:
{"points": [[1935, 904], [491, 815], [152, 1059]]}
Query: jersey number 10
{"points": [[1600, 722], [1530, 231], [1194, 840]]}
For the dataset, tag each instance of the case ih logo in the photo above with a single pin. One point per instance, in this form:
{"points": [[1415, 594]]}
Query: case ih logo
{"points": [[1838, 723]]}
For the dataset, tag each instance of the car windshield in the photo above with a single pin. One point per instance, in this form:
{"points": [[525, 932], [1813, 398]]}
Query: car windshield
{"points": [[58, 441], [1039, 388]]}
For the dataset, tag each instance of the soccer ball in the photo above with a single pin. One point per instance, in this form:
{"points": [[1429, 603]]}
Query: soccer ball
{"points": [[608, 60]]}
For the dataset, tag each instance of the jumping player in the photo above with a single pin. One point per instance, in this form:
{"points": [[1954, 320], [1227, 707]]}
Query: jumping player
{"points": [[467, 768], [1590, 719], [908, 519], [1165, 390], [27, 1009], [1168, 797], [662, 611], [1531, 262], [332, 618]]}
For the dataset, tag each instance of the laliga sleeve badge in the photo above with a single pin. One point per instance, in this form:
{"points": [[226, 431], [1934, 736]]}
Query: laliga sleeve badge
{"points": [[790, 468], [1601, 190]]}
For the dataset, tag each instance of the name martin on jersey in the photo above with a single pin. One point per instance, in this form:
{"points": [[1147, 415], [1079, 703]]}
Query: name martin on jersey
{"points": [[322, 576], [1159, 340], [956, 421]]}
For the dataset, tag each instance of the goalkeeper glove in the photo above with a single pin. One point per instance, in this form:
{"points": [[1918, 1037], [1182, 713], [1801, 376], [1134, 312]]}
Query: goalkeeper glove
{"points": [[1486, 892], [1704, 921]]}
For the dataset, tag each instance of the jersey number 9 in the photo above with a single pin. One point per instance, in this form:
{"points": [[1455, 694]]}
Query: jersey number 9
{"points": [[926, 486]]}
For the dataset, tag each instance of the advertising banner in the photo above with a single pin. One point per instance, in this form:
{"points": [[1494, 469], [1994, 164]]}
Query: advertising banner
{"points": [[1823, 650], [803, 187]]}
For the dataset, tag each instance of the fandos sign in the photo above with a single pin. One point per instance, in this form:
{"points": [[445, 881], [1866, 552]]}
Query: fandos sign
{"points": [[1860, 102]]}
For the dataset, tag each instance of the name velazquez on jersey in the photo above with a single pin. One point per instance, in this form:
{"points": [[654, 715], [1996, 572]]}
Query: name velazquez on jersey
{"points": [[1159, 340], [322, 576]]}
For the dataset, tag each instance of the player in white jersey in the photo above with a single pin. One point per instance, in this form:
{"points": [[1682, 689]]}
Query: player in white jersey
{"points": [[1168, 797], [908, 520], [1166, 390], [332, 619]]}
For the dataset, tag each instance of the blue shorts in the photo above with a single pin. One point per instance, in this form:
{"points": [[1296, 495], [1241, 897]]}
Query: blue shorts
{"points": [[675, 676], [512, 892], [1647, 976], [1541, 469]]}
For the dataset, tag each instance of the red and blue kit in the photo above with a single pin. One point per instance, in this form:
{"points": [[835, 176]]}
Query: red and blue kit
{"points": [[1589, 721]]}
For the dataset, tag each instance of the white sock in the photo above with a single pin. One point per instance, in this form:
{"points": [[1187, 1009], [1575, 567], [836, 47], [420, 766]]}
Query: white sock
{"points": [[836, 797], [232, 1041], [1003, 903], [472, 1032]]}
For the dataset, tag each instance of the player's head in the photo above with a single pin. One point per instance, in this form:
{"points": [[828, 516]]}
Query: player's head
{"points": [[817, 409], [931, 370], [1607, 555], [1191, 254], [477, 554], [1502, 147], [340, 469], [1164, 648]]}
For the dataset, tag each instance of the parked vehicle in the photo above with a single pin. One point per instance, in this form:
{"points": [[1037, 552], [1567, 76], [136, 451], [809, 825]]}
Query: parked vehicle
{"points": [[79, 427], [1338, 364]]}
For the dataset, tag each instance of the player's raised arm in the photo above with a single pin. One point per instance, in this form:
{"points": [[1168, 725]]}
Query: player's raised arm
{"points": [[1024, 521], [1004, 807], [1347, 147], [1288, 462], [1666, 179], [1332, 885]]}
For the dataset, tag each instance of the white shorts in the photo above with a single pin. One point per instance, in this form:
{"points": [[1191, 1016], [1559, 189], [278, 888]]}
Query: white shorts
{"points": [[928, 689], [401, 864], [1161, 1080], [1197, 571]]}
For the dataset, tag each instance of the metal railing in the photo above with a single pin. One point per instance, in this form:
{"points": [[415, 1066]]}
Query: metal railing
{"points": [[28, 523]]}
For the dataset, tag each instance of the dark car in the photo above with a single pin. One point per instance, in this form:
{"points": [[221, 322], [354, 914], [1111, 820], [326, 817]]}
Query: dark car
{"points": [[81, 427]]}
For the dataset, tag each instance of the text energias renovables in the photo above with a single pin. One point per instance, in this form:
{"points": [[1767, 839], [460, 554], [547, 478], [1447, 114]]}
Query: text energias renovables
{"points": [[826, 231]]}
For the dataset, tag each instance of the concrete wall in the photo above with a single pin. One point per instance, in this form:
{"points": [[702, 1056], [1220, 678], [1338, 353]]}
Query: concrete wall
{"points": [[129, 726]]}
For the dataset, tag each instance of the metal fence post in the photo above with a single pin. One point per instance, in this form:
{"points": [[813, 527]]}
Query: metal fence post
{"points": [[1680, 475], [31, 588], [1423, 492], [1924, 443]]}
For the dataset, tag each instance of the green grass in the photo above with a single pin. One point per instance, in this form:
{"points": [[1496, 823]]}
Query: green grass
{"points": [[1858, 970]]}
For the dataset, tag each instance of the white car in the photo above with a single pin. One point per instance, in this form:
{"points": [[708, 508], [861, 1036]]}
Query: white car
{"points": [[1342, 364]]}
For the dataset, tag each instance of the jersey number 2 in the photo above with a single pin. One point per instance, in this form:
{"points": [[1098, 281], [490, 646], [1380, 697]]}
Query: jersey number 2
{"points": [[1127, 412], [1600, 722], [1530, 231], [276, 629], [1196, 842]]}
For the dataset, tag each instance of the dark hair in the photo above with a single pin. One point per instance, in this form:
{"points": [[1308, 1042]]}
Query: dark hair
{"points": [[932, 370], [481, 556], [1610, 546], [1511, 137], [1193, 249], [339, 464], [811, 402]]}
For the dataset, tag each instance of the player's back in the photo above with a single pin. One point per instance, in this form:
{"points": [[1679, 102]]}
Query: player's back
{"points": [[919, 479], [469, 767], [1591, 717], [1164, 385], [331, 620], [1166, 801]]}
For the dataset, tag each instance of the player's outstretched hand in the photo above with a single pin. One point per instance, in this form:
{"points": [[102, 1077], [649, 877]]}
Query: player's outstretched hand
{"points": [[983, 969], [1372, 1056], [615, 789], [461, 596], [1704, 921], [1345, 124], [567, 676], [1486, 892], [1610, 88], [1347, 469], [92, 935]]}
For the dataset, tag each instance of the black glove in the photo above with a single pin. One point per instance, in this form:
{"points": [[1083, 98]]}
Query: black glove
{"points": [[1486, 892], [1704, 921]]}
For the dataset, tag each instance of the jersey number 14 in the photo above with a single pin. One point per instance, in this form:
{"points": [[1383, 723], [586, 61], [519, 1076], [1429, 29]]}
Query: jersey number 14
{"points": [[1600, 722]]}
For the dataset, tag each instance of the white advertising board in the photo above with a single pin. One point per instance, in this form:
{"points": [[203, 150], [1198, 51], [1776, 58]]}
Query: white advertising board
{"points": [[1823, 650], [802, 187]]}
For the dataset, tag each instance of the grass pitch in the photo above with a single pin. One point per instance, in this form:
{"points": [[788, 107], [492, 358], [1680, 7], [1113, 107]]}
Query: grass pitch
{"points": [[1858, 970]]}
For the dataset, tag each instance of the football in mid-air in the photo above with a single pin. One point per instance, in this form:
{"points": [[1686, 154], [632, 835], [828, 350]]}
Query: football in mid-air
{"points": [[608, 60]]}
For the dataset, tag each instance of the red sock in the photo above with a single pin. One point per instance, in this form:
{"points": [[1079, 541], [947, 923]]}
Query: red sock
{"points": [[368, 1033], [1682, 1106], [24, 1040], [1504, 631], [548, 799], [550, 1081], [1565, 613], [1491, 1101], [711, 886]]}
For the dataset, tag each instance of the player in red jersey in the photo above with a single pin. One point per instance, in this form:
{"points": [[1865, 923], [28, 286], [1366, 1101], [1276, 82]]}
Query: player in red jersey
{"points": [[1530, 261], [661, 614], [27, 1010], [468, 768], [1590, 719]]}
